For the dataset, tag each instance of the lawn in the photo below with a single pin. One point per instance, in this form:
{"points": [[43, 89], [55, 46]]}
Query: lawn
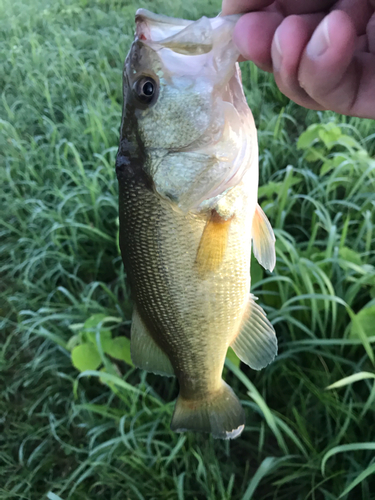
{"points": [[105, 434]]}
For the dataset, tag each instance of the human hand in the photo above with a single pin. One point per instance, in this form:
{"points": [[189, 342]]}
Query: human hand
{"points": [[321, 52]]}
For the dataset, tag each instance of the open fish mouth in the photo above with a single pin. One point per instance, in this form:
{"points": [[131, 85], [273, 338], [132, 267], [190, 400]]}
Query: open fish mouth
{"points": [[182, 34], [180, 37]]}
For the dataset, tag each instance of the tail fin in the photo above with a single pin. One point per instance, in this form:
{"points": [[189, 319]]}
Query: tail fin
{"points": [[222, 415]]}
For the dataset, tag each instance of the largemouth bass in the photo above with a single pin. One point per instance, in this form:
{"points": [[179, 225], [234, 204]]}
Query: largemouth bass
{"points": [[187, 167]]}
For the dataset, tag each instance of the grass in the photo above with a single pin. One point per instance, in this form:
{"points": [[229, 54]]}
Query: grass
{"points": [[67, 435]]}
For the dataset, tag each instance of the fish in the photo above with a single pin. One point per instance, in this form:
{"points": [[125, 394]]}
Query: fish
{"points": [[187, 168]]}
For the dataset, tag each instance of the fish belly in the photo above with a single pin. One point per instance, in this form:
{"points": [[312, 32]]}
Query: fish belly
{"points": [[192, 318]]}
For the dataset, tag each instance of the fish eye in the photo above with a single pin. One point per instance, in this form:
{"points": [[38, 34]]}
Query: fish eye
{"points": [[145, 89]]}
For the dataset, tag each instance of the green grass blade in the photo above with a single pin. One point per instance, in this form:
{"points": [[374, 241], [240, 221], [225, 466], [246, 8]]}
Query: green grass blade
{"points": [[351, 379], [343, 449], [358, 480]]}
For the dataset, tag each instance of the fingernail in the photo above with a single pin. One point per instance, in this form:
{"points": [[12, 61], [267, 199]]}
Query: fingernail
{"points": [[277, 56], [320, 41]]}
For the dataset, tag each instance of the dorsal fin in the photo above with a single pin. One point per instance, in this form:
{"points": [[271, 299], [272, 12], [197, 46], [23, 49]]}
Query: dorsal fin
{"points": [[263, 240], [213, 244]]}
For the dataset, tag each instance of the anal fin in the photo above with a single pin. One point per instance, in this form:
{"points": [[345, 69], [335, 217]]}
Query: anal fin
{"points": [[256, 344], [145, 353], [263, 240], [213, 244]]}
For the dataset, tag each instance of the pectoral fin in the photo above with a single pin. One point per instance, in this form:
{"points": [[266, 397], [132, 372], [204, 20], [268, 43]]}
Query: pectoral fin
{"points": [[145, 353], [256, 344], [263, 240], [213, 244]]}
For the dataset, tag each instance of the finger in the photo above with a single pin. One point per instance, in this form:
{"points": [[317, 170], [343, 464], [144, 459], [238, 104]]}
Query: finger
{"points": [[290, 40], [331, 75], [363, 104], [240, 6], [361, 44], [371, 34], [359, 12], [253, 36], [290, 7]]}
